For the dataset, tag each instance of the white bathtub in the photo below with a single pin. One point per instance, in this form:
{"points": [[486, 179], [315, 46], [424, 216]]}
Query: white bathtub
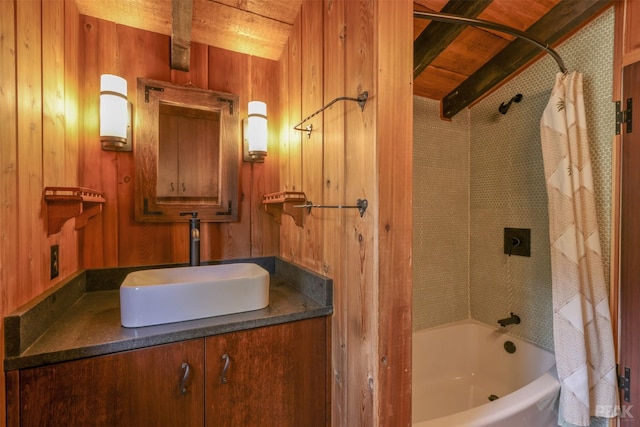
{"points": [[457, 367]]}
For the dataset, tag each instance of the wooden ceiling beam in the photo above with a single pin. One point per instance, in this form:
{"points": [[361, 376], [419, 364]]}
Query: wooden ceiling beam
{"points": [[239, 29], [438, 35], [182, 15], [566, 17]]}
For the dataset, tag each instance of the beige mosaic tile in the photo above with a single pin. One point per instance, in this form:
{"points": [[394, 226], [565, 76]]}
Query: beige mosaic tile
{"points": [[440, 216]]}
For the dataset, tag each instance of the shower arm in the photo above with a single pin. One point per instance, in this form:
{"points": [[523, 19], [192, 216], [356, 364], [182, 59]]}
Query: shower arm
{"points": [[446, 17]]}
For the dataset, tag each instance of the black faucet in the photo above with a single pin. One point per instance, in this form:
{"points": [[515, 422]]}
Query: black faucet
{"points": [[194, 238], [514, 319]]}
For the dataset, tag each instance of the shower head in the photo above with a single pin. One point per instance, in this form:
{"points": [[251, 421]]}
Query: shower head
{"points": [[503, 108]]}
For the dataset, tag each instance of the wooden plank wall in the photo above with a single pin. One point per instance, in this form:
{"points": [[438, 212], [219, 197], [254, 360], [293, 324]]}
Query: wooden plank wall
{"points": [[361, 281], [333, 130], [51, 59], [114, 238], [394, 135], [39, 105], [354, 154], [630, 32], [335, 50], [290, 146]]}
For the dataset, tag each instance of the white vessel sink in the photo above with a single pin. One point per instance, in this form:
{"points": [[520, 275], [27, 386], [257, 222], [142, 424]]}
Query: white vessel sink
{"points": [[166, 295]]}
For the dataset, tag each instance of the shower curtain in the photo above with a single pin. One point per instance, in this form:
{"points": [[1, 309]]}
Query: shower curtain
{"points": [[582, 331]]}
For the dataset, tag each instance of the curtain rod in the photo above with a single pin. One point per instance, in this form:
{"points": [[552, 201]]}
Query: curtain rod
{"points": [[446, 17]]}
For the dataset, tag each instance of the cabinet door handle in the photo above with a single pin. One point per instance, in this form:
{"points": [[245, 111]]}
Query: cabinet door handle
{"points": [[223, 376], [172, 187], [185, 377], [183, 187]]}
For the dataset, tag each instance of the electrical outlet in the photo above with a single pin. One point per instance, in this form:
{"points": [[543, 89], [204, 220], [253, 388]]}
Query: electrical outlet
{"points": [[55, 261]]}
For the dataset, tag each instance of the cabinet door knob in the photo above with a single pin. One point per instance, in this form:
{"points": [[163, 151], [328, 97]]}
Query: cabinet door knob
{"points": [[185, 377], [223, 376]]}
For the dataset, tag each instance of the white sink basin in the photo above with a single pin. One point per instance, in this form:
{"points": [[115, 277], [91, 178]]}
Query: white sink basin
{"points": [[166, 295]]}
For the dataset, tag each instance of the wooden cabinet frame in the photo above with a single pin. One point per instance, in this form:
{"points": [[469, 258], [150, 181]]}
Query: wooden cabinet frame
{"points": [[148, 206]]}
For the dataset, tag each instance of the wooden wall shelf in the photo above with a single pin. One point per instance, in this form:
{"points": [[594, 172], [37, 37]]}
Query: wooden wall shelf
{"points": [[284, 202], [64, 203]]}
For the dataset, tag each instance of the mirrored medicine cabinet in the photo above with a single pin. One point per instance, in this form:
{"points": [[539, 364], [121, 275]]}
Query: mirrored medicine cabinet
{"points": [[186, 153]]}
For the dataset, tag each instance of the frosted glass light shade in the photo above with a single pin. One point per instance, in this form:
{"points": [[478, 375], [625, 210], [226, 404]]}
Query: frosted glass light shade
{"points": [[114, 112], [257, 129]]}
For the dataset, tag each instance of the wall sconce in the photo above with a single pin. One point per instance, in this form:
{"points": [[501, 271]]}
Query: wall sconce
{"points": [[115, 114], [255, 132]]}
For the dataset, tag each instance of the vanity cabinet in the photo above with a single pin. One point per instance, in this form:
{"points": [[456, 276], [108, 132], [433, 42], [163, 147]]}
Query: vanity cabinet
{"points": [[133, 388], [275, 376], [272, 376]]}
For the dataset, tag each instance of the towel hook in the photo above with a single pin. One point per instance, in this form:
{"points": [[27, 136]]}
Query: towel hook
{"points": [[361, 100], [503, 108]]}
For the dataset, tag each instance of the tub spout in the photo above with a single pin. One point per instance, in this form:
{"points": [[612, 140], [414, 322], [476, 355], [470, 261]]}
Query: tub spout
{"points": [[514, 319]]}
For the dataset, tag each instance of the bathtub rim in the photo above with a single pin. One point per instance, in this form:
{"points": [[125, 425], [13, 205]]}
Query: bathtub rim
{"points": [[542, 391], [496, 329]]}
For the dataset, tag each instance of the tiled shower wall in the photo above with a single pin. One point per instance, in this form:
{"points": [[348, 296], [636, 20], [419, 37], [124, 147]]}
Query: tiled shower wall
{"points": [[460, 270], [440, 216]]}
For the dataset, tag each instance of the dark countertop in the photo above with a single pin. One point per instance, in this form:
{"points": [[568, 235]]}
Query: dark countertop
{"points": [[81, 317]]}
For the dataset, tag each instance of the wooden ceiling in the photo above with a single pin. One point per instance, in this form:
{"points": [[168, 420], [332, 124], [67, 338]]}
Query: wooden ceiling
{"points": [[455, 64], [253, 27], [458, 64]]}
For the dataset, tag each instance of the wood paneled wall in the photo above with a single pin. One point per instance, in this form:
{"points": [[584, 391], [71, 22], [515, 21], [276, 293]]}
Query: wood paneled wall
{"points": [[51, 59], [341, 48], [394, 167], [39, 122], [114, 238]]}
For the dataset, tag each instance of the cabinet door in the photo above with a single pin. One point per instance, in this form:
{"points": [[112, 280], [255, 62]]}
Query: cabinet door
{"points": [[135, 388], [188, 153], [276, 376], [168, 178], [198, 157]]}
